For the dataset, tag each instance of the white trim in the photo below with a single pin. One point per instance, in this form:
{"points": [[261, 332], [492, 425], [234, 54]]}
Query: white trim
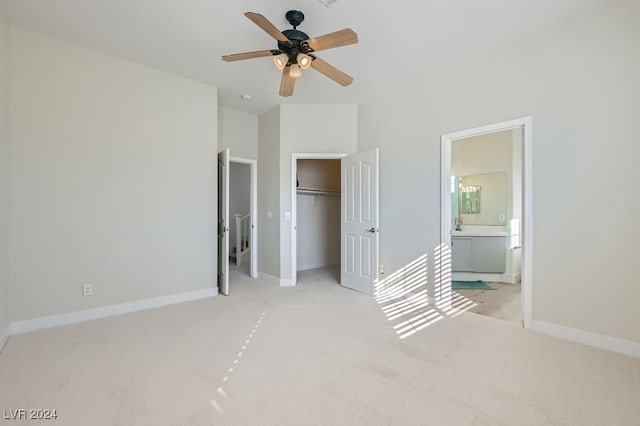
{"points": [[283, 282], [443, 298], [4, 337], [527, 213], [109, 311], [294, 206], [253, 243], [601, 341], [527, 201]]}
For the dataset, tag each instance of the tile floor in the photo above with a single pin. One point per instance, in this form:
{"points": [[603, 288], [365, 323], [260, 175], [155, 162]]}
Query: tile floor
{"points": [[502, 303]]}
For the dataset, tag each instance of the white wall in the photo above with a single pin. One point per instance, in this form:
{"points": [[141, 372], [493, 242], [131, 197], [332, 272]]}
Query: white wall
{"points": [[269, 193], [318, 216], [239, 196], [4, 182], [309, 129], [113, 179], [579, 83], [238, 131]]}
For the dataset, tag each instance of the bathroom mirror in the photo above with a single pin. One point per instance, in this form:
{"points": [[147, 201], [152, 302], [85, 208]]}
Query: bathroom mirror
{"points": [[470, 199], [480, 199]]}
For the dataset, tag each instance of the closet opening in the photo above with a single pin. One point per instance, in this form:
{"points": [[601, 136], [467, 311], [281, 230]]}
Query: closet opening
{"points": [[334, 229], [316, 237]]}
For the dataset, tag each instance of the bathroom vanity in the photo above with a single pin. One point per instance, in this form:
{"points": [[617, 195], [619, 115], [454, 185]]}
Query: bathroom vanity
{"points": [[482, 251]]}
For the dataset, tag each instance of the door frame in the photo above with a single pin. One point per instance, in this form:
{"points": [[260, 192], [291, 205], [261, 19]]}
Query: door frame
{"points": [[525, 124], [223, 215], [253, 242], [294, 205]]}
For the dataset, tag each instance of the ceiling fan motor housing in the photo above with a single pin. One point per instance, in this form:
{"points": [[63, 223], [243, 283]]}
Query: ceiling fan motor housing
{"points": [[297, 39]]}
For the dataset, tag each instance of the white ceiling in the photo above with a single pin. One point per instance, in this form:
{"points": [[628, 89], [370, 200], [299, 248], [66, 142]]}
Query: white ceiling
{"points": [[397, 38]]}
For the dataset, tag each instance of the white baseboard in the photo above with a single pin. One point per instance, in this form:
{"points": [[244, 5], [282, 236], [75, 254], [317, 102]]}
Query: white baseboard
{"points": [[108, 311], [613, 344], [286, 282], [283, 282], [4, 337]]}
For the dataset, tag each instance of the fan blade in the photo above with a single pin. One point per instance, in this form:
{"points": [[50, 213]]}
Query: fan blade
{"points": [[247, 55], [287, 83], [332, 72], [266, 25], [337, 39]]}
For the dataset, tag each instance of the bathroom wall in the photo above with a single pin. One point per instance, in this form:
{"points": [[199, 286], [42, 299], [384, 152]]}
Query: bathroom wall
{"points": [[481, 157]]}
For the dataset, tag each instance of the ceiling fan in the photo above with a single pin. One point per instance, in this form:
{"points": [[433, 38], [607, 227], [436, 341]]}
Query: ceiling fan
{"points": [[295, 50]]}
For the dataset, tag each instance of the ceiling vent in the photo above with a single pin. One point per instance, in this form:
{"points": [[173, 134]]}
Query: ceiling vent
{"points": [[327, 3]]}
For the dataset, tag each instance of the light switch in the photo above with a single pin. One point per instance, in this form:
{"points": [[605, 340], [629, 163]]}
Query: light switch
{"points": [[287, 215], [269, 214]]}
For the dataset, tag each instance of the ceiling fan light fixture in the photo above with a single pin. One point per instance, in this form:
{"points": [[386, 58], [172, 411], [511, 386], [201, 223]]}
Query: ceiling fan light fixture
{"points": [[281, 60], [295, 71], [296, 51], [304, 60]]}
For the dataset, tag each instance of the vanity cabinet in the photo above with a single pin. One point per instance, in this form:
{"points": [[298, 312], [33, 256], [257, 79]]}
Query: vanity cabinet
{"points": [[479, 254]]}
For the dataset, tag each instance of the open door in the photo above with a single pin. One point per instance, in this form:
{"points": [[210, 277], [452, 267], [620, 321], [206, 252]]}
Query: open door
{"points": [[223, 222], [359, 233]]}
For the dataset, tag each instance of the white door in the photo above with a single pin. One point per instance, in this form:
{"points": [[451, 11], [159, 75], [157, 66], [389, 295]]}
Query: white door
{"points": [[359, 233], [223, 222]]}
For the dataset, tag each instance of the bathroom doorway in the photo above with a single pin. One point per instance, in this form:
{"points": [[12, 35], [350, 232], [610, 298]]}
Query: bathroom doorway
{"points": [[486, 219]]}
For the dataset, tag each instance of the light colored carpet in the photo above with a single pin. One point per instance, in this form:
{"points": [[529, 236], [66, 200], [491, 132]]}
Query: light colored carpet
{"points": [[313, 354]]}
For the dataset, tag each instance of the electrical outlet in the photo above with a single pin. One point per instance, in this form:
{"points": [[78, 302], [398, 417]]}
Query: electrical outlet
{"points": [[502, 218], [87, 290], [381, 268]]}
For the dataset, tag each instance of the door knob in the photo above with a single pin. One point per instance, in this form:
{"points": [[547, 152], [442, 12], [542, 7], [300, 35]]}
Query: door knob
{"points": [[372, 230]]}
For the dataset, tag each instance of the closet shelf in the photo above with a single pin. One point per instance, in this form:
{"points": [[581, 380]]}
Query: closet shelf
{"points": [[314, 191]]}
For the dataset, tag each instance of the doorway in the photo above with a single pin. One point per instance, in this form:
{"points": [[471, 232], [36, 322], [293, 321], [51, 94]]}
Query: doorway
{"points": [[489, 235], [358, 212], [318, 185], [242, 204], [245, 236]]}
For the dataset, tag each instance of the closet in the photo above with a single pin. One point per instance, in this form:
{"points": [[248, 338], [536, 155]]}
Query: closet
{"points": [[318, 213]]}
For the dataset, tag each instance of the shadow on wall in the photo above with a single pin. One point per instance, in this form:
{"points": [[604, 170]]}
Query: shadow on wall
{"points": [[403, 296]]}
